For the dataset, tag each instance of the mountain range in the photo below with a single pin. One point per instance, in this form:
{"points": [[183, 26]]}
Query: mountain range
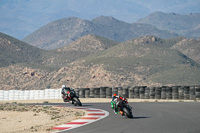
{"points": [[184, 25], [64, 31], [94, 61], [164, 25]]}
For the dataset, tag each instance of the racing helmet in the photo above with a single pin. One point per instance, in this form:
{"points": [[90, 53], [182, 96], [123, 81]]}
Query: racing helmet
{"points": [[115, 95], [63, 86]]}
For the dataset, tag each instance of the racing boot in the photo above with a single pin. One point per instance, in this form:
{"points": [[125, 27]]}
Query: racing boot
{"points": [[116, 109]]}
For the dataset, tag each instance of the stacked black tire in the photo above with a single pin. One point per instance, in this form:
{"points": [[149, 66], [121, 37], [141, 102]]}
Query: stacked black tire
{"points": [[131, 92], [147, 92], [97, 93], [181, 92], [87, 92], [158, 92], [125, 92], [175, 95], [103, 92], [197, 89], [152, 92], [92, 92], [136, 92], [108, 92], [143, 92], [82, 93], [163, 92]]}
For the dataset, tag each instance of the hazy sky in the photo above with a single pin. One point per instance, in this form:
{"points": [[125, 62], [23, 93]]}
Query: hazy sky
{"points": [[21, 17]]}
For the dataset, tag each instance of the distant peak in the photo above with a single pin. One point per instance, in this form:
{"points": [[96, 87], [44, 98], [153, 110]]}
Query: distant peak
{"points": [[157, 12], [104, 18], [70, 19], [162, 13], [73, 18]]}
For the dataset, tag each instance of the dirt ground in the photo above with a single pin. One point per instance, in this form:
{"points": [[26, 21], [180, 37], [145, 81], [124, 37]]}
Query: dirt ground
{"points": [[21, 118], [41, 119]]}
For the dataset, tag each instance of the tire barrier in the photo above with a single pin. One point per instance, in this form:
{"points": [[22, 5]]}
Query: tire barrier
{"points": [[141, 91], [30, 94], [115, 90], [6, 95], [197, 89], [87, 93], [97, 93], [120, 91], [82, 93], [163, 92], [175, 93], [109, 92], [51, 93], [168, 93], [131, 92], [158, 93], [192, 93], [1, 95], [181, 92], [152, 92], [92, 92], [76, 91], [125, 92], [103, 92], [136, 92], [147, 92], [186, 92]]}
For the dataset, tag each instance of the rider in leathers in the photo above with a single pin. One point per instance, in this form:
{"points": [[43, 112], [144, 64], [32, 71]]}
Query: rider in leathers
{"points": [[117, 102], [65, 91]]}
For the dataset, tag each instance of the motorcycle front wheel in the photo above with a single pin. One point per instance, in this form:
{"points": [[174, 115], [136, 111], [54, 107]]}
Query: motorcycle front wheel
{"points": [[127, 112], [77, 102]]}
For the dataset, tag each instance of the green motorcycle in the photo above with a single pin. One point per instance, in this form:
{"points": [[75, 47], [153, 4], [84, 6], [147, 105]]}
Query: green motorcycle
{"points": [[124, 108]]}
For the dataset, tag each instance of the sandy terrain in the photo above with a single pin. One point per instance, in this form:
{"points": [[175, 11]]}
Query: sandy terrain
{"points": [[18, 118]]}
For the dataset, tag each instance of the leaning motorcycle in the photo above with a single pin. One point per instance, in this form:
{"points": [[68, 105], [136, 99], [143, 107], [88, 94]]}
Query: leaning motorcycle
{"points": [[124, 109], [73, 98]]}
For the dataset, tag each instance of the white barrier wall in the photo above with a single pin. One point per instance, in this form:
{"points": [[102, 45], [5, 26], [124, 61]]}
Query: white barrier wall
{"points": [[30, 94]]}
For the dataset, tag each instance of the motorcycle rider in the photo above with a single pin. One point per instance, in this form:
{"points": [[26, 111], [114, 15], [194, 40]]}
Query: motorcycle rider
{"points": [[65, 91], [116, 102]]}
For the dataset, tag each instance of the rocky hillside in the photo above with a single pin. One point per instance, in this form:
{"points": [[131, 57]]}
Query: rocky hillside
{"points": [[93, 61], [38, 71], [190, 47], [143, 61], [64, 31], [13, 51], [80, 48], [185, 25]]}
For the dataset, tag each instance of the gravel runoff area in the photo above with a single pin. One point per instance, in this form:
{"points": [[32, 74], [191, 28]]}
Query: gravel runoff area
{"points": [[17, 117]]}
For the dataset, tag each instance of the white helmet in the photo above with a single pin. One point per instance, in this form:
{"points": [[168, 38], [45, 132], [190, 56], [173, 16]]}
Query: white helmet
{"points": [[63, 86]]}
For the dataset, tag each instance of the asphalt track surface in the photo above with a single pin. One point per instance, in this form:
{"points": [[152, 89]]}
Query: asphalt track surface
{"points": [[158, 117]]}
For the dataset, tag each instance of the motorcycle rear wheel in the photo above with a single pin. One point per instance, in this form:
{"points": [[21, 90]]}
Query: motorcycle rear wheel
{"points": [[127, 112], [77, 102]]}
